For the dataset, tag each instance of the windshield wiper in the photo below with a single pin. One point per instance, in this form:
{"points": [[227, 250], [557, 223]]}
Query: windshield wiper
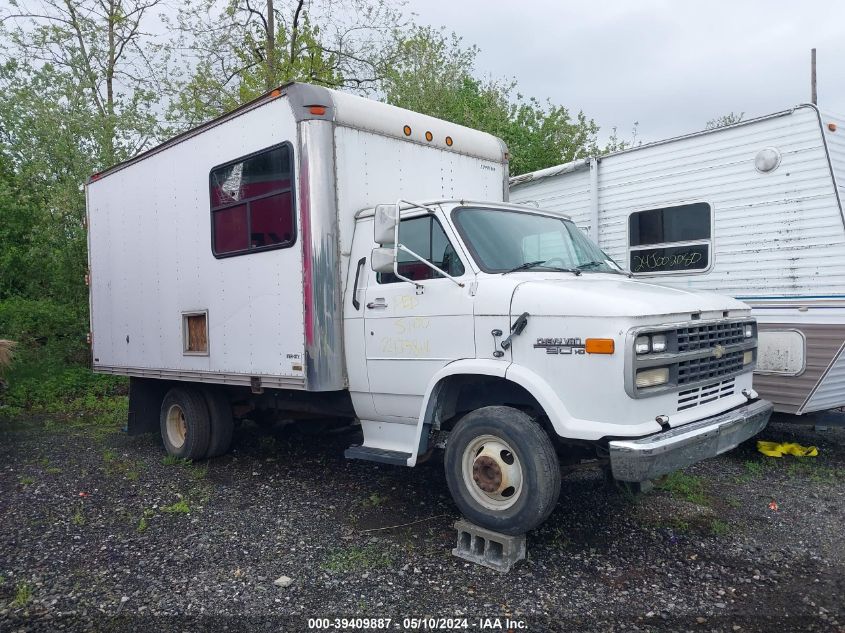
{"points": [[541, 264], [594, 264]]}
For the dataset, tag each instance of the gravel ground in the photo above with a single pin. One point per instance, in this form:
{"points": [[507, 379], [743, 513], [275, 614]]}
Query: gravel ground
{"points": [[98, 531]]}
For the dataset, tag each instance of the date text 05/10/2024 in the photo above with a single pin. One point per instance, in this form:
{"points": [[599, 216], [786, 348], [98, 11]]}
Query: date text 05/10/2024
{"points": [[417, 624]]}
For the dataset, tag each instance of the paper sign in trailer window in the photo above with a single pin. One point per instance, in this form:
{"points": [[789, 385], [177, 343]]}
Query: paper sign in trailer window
{"points": [[670, 259]]}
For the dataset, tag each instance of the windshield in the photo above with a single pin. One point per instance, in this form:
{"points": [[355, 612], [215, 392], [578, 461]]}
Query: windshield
{"points": [[502, 240]]}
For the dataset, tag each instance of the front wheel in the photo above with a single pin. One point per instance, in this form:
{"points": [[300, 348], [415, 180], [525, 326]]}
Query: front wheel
{"points": [[502, 470]]}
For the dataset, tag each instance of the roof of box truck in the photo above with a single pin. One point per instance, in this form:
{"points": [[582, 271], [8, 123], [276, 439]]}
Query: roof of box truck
{"points": [[310, 102]]}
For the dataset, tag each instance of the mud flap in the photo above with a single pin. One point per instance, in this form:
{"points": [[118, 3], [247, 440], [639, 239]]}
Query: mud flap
{"points": [[145, 396]]}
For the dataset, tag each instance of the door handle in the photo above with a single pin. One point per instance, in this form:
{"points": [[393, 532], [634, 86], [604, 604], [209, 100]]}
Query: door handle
{"points": [[378, 304]]}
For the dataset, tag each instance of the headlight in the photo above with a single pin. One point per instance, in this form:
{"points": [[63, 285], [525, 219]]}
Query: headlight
{"points": [[747, 357], [652, 377], [658, 343], [642, 345], [749, 330]]}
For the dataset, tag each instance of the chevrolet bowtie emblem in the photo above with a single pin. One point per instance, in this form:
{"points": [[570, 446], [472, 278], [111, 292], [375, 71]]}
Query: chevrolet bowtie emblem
{"points": [[718, 351]]}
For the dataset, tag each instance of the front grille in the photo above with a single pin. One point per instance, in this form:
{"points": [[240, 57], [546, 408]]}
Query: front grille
{"points": [[695, 353], [704, 336], [690, 398], [705, 368]]}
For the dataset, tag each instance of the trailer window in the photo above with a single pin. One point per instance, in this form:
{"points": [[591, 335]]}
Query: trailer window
{"points": [[426, 238], [670, 239], [252, 203]]}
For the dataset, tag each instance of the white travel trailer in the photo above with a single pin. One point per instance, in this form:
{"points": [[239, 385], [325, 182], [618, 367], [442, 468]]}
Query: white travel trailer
{"points": [[753, 210], [268, 263]]}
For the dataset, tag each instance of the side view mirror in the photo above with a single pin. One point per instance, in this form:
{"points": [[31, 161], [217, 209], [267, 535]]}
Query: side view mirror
{"points": [[384, 225], [381, 259]]}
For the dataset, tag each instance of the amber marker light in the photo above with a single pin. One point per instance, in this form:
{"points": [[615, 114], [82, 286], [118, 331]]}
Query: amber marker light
{"points": [[599, 346], [831, 127], [407, 130], [317, 109], [429, 136], [449, 141], [276, 93]]}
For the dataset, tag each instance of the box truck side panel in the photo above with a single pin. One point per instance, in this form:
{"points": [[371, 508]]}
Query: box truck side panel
{"points": [[374, 169], [162, 303]]}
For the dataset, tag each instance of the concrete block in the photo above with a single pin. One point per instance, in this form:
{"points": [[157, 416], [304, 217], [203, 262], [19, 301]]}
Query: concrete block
{"points": [[488, 548]]}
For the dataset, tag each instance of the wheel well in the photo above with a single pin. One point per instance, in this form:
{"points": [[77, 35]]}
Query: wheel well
{"points": [[454, 396]]}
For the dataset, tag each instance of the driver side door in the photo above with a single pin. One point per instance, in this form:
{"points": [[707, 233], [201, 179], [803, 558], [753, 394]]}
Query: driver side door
{"points": [[410, 332]]}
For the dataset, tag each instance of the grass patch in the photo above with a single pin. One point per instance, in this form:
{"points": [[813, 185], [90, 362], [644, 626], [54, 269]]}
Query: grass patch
{"points": [[815, 470], [180, 507], [688, 487], [78, 518], [374, 500], [114, 465], [26, 480], [172, 460], [23, 594], [143, 523], [719, 527], [53, 470], [357, 559]]}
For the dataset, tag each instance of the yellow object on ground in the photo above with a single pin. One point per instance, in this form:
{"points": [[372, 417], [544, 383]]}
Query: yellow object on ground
{"points": [[779, 449]]}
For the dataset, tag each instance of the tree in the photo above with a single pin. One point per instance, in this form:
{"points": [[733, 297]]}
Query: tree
{"points": [[103, 48], [434, 73], [246, 47], [726, 119]]}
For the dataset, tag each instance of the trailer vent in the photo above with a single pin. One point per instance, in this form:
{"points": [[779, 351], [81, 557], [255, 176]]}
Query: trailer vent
{"points": [[195, 333], [702, 395]]}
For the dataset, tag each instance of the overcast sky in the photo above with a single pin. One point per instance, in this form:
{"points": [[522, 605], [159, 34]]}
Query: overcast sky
{"points": [[671, 66]]}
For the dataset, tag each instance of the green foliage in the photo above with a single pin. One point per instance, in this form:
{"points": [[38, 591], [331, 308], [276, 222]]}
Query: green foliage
{"points": [[688, 487], [719, 527], [357, 558], [23, 594], [435, 75], [180, 507]]}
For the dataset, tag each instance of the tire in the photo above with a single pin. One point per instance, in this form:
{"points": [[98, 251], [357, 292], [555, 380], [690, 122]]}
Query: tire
{"points": [[494, 446], [184, 422], [222, 422]]}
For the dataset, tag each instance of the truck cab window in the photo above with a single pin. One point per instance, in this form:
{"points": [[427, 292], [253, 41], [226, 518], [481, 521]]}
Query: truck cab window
{"points": [[671, 239], [426, 238], [252, 203]]}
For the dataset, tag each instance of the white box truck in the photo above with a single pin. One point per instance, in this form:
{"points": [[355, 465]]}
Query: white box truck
{"points": [[318, 252], [753, 210]]}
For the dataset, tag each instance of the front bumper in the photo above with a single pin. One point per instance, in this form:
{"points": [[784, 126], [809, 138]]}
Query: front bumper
{"points": [[649, 457]]}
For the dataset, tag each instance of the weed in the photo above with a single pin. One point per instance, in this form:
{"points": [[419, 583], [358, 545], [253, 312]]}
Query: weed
{"points": [[687, 487], [109, 456], [2, 580], [719, 527], [357, 559], [754, 468], [23, 594], [53, 470], [78, 517], [560, 538], [26, 480], [180, 507], [172, 460], [374, 500], [199, 471], [142, 524]]}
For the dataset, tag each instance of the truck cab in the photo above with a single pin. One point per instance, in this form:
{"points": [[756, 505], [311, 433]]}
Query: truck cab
{"points": [[504, 333]]}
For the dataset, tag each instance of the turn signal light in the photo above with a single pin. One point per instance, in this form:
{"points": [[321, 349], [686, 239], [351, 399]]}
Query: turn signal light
{"points": [[599, 346], [317, 109]]}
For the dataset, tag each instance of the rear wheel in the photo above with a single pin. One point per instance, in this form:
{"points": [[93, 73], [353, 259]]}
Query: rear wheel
{"points": [[184, 421], [502, 470], [222, 423]]}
